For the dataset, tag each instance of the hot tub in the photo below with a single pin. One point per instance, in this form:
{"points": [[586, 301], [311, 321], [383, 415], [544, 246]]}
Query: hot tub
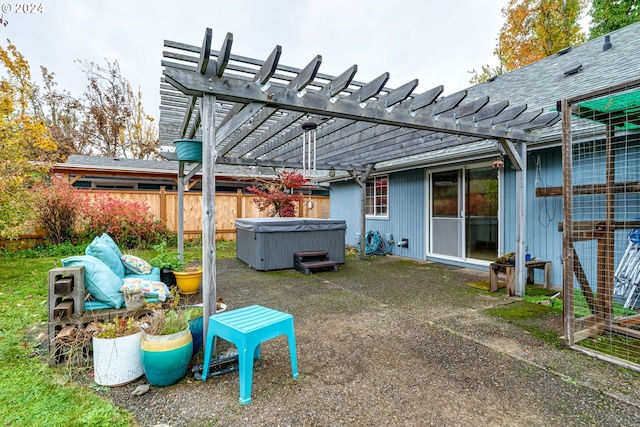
{"points": [[269, 243]]}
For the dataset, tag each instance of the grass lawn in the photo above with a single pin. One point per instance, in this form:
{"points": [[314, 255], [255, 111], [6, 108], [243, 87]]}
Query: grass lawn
{"points": [[31, 392]]}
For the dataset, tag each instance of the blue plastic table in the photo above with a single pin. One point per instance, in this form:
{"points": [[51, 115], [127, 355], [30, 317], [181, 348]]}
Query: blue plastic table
{"points": [[246, 328]]}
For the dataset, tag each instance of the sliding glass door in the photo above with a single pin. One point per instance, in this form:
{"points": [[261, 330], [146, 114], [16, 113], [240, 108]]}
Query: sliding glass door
{"points": [[464, 213], [446, 213], [481, 213]]}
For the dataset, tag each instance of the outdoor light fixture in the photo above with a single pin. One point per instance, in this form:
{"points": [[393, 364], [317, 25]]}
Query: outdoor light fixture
{"points": [[332, 172], [309, 148]]}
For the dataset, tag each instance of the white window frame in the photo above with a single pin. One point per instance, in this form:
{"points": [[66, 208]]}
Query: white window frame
{"points": [[368, 198]]}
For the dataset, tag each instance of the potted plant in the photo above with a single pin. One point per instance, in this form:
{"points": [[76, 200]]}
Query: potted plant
{"points": [[168, 262], [133, 298], [188, 279], [116, 351], [194, 316], [166, 348]]}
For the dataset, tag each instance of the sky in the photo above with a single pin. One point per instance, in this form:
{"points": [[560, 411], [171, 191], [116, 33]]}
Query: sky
{"points": [[434, 41]]}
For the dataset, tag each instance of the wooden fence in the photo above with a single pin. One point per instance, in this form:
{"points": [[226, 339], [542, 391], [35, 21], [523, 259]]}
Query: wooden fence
{"points": [[163, 205]]}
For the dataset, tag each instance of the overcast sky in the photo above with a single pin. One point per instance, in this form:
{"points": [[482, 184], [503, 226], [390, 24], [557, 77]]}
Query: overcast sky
{"points": [[435, 41]]}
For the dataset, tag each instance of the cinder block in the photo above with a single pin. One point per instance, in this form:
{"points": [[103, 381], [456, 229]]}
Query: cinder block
{"points": [[60, 289], [63, 310]]}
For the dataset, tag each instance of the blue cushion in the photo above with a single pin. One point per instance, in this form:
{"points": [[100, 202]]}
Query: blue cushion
{"points": [[106, 254], [100, 281], [106, 239]]}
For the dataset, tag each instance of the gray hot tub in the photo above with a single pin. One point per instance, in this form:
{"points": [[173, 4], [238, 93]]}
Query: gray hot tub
{"points": [[269, 243]]}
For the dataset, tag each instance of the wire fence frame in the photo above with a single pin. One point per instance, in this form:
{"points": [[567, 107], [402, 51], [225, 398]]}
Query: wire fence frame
{"points": [[601, 193]]}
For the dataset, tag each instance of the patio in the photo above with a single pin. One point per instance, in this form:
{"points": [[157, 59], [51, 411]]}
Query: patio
{"points": [[388, 341]]}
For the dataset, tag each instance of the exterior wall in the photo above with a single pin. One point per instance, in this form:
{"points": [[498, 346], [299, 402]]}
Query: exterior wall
{"points": [[543, 240], [345, 205], [406, 217]]}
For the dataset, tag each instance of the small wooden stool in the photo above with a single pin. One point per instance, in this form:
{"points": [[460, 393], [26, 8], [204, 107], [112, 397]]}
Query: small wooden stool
{"points": [[246, 328], [509, 271]]}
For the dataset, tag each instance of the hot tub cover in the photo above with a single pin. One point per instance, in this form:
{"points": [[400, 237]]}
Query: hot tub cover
{"points": [[278, 225]]}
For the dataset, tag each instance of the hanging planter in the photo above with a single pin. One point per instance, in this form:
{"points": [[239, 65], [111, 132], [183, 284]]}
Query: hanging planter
{"points": [[189, 150]]}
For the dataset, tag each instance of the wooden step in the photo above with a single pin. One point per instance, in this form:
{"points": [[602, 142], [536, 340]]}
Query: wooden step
{"points": [[307, 254], [306, 266]]}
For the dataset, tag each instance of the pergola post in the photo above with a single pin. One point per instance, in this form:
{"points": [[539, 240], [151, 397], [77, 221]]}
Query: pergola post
{"points": [[521, 220], [518, 155], [181, 211], [208, 109], [361, 180]]}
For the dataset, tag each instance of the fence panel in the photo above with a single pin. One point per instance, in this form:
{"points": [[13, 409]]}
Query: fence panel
{"points": [[163, 205]]}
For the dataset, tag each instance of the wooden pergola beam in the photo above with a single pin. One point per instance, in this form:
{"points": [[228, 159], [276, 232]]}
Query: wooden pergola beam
{"points": [[238, 90]]}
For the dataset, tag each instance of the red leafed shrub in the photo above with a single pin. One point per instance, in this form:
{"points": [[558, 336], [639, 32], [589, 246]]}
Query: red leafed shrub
{"points": [[58, 209], [129, 223], [275, 197]]}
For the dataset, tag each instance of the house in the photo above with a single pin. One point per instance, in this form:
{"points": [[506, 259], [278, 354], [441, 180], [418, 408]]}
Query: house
{"points": [[457, 205], [431, 171], [112, 173]]}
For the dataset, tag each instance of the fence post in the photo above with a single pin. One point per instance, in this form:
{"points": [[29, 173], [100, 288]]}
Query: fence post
{"points": [[163, 205], [301, 206], [239, 213]]}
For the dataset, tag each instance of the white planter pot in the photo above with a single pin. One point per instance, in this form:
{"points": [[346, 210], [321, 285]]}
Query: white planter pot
{"points": [[116, 361]]}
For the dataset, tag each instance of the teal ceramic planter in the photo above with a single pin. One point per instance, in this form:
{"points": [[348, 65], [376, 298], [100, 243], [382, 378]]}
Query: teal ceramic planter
{"points": [[165, 358], [189, 150], [196, 326]]}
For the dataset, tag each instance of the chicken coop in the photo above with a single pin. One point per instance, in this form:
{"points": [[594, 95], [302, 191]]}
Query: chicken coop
{"points": [[601, 223]]}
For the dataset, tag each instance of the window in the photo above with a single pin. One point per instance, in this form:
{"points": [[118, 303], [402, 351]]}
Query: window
{"points": [[377, 196]]}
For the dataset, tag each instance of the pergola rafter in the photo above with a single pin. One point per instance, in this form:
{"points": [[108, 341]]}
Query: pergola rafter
{"points": [[249, 112]]}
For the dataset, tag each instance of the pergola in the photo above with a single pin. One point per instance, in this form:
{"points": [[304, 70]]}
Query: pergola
{"points": [[250, 112]]}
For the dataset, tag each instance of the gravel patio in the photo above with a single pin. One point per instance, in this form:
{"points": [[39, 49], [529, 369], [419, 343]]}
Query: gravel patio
{"points": [[390, 341]]}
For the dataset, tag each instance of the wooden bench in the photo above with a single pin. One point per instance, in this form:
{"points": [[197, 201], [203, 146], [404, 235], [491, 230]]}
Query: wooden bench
{"points": [[509, 271]]}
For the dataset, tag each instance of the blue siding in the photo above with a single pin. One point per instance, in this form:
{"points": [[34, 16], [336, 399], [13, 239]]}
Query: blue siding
{"points": [[406, 211], [345, 205], [544, 169], [407, 192]]}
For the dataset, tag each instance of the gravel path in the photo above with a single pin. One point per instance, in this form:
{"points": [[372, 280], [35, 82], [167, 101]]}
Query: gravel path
{"points": [[386, 341]]}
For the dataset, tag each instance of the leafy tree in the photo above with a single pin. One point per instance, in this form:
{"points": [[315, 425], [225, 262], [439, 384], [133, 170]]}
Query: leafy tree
{"points": [[275, 197], [24, 138], [534, 29], [486, 72], [609, 15]]}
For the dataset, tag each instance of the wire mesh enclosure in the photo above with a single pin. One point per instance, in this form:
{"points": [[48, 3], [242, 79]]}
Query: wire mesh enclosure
{"points": [[601, 224]]}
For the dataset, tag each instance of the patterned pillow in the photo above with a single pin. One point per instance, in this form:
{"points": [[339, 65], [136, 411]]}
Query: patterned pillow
{"points": [[135, 264], [150, 288]]}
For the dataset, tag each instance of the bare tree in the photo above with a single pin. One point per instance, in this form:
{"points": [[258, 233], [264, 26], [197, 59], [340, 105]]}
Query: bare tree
{"points": [[116, 124]]}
